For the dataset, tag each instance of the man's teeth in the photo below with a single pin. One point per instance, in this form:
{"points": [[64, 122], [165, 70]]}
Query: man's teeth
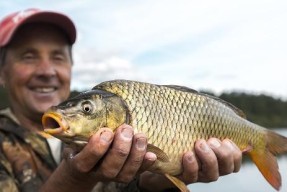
{"points": [[44, 90]]}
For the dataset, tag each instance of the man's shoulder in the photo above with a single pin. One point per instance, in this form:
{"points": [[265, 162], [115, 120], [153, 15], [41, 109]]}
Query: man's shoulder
{"points": [[8, 114], [9, 125], [25, 159], [7, 140]]}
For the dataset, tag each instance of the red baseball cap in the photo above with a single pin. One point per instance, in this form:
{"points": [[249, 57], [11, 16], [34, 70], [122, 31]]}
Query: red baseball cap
{"points": [[10, 24]]}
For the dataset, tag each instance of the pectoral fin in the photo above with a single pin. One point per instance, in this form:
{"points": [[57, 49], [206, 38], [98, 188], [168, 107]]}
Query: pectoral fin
{"points": [[178, 183], [161, 155]]}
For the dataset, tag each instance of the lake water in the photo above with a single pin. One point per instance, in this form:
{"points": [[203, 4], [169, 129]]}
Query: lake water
{"points": [[248, 179]]}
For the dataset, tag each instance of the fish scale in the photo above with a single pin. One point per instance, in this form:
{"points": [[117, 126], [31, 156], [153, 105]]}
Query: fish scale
{"points": [[170, 107], [173, 118]]}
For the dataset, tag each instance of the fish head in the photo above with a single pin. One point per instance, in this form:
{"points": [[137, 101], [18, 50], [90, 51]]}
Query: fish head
{"points": [[76, 119]]}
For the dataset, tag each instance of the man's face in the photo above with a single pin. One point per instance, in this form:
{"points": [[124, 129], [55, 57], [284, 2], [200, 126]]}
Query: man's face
{"points": [[37, 70]]}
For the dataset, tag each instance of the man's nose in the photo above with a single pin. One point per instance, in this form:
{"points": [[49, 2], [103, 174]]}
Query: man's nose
{"points": [[46, 68]]}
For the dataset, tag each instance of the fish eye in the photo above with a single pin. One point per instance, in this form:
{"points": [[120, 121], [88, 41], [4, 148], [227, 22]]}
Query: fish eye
{"points": [[87, 107]]}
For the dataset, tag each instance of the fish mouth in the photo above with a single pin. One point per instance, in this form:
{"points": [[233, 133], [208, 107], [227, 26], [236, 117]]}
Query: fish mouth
{"points": [[53, 123]]}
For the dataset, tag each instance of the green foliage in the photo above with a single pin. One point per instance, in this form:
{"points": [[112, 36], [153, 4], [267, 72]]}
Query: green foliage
{"points": [[261, 109]]}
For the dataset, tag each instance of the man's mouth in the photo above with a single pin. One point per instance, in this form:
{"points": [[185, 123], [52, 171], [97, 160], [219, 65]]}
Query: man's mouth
{"points": [[44, 89]]}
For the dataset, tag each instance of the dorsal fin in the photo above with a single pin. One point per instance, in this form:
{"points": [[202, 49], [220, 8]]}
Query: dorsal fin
{"points": [[187, 89], [181, 88], [234, 108]]}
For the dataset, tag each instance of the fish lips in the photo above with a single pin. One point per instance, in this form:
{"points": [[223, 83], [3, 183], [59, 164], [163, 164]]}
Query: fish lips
{"points": [[54, 123]]}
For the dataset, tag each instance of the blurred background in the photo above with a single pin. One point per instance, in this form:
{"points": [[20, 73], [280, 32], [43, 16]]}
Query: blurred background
{"points": [[217, 45], [236, 50]]}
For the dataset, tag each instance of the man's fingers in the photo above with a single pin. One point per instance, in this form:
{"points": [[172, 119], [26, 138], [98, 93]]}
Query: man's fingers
{"points": [[135, 158], [224, 156], [237, 154], [228, 155], [118, 153], [148, 161], [190, 168], [208, 171], [97, 146]]}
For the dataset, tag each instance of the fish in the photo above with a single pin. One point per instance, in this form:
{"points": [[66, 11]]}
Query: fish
{"points": [[173, 117]]}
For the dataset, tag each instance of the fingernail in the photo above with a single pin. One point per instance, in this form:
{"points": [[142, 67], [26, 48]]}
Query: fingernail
{"points": [[189, 156], [141, 143], [214, 143], [127, 133], [106, 136], [204, 147]]}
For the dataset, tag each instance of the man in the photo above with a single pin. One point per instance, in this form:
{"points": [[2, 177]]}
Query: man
{"points": [[35, 68]]}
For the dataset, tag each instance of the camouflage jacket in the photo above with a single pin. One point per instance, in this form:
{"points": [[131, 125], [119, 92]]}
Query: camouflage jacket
{"points": [[26, 160]]}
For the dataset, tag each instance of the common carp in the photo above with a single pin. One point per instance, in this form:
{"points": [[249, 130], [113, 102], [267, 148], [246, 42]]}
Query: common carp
{"points": [[173, 118]]}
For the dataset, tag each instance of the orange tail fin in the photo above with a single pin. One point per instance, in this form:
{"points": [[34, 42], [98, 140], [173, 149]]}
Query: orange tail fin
{"points": [[265, 157]]}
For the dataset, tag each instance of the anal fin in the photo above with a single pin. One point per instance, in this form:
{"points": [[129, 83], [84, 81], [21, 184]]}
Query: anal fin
{"points": [[178, 183]]}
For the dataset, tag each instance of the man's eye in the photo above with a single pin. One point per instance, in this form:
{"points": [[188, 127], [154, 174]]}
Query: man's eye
{"points": [[28, 56], [59, 58]]}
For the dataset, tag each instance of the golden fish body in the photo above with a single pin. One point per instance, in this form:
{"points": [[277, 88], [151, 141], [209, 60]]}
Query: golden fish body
{"points": [[172, 117]]}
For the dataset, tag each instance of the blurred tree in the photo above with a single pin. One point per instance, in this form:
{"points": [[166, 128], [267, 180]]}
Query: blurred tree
{"points": [[261, 109]]}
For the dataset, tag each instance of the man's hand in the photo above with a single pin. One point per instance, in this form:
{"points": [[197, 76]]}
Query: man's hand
{"points": [[212, 158], [114, 157], [108, 156]]}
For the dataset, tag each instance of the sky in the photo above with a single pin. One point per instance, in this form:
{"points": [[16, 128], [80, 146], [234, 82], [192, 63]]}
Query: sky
{"points": [[215, 45]]}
